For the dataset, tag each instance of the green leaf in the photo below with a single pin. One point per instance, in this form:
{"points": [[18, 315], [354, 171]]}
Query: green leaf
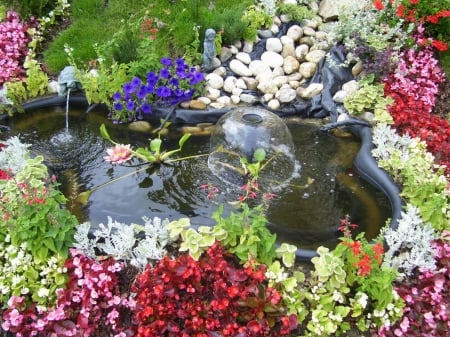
{"points": [[155, 145], [41, 254], [259, 155], [60, 279], [104, 133], [50, 244], [183, 139], [145, 154]]}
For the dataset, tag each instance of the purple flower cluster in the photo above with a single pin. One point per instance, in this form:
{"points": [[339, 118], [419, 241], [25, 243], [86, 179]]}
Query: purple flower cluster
{"points": [[174, 83]]}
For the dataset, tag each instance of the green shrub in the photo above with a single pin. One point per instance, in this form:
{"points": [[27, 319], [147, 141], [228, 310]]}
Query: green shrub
{"points": [[296, 13], [227, 22], [255, 18]]}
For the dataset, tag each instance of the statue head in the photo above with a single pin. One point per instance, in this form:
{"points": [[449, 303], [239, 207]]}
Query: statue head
{"points": [[210, 34]]}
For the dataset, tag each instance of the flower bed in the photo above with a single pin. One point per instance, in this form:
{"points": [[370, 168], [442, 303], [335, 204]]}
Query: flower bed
{"points": [[231, 280]]}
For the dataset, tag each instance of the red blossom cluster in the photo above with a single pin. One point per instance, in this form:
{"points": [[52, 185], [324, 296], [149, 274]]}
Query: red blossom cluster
{"points": [[213, 296], [28, 195], [4, 175], [364, 260], [363, 256], [414, 87], [421, 12], [147, 27]]}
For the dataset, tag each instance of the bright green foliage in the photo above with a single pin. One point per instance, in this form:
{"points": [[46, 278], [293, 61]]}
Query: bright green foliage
{"points": [[408, 162], [286, 252], [296, 13], [255, 18], [288, 283], [253, 168], [33, 213], [194, 241], [192, 53], [22, 275], [369, 97], [100, 84], [348, 285], [46, 227], [248, 237], [329, 269], [115, 25], [36, 84]]}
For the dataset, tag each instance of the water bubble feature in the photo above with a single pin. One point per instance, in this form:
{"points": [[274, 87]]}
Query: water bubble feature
{"points": [[239, 133]]}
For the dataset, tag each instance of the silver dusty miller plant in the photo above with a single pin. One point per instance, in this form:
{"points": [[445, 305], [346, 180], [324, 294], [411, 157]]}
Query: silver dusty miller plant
{"points": [[14, 155], [409, 245], [134, 244]]}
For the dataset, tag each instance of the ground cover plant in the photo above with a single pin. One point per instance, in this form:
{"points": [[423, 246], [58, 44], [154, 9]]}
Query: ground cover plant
{"points": [[170, 278]]}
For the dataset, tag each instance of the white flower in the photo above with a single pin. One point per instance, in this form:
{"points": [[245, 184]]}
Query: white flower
{"points": [[43, 292], [362, 298]]}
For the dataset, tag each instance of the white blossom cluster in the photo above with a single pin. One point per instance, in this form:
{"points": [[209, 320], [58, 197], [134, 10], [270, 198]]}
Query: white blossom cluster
{"points": [[409, 245], [14, 155], [21, 274], [136, 244]]}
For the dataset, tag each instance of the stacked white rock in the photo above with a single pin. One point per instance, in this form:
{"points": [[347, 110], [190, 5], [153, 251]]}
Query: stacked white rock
{"points": [[281, 73]]}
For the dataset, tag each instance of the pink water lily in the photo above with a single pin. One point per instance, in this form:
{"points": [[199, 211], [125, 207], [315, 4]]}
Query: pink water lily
{"points": [[119, 154]]}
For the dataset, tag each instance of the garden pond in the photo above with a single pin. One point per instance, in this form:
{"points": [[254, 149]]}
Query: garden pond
{"points": [[305, 212]]}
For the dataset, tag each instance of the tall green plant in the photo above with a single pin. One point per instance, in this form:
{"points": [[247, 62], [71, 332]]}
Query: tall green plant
{"points": [[101, 83], [247, 234]]}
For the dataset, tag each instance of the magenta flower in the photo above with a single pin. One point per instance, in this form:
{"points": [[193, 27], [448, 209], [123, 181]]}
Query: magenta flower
{"points": [[119, 154]]}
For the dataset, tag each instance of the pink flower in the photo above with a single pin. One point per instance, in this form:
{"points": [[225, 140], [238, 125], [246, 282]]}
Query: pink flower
{"points": [[15, 318], [119, 154]]}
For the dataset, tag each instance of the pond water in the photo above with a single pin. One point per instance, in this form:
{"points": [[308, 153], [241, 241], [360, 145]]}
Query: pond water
{"points": [[305, 212]]}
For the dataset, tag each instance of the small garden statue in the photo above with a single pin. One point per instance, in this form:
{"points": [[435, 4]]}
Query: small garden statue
{"points": [[209, 50], [67, 80]]}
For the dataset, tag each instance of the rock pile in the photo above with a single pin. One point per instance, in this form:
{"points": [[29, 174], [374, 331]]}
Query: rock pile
{"points": [[290, 56]]}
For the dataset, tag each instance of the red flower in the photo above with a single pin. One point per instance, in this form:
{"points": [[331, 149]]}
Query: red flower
{"points": [[400, 11], [4, 175], [432, 18], [378, 251], [364, 266], [378, 4], [355, 247], [439, 45]]}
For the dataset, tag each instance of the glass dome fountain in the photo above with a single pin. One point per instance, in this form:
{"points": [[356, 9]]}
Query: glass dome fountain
{"points": [[241, 132]]}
